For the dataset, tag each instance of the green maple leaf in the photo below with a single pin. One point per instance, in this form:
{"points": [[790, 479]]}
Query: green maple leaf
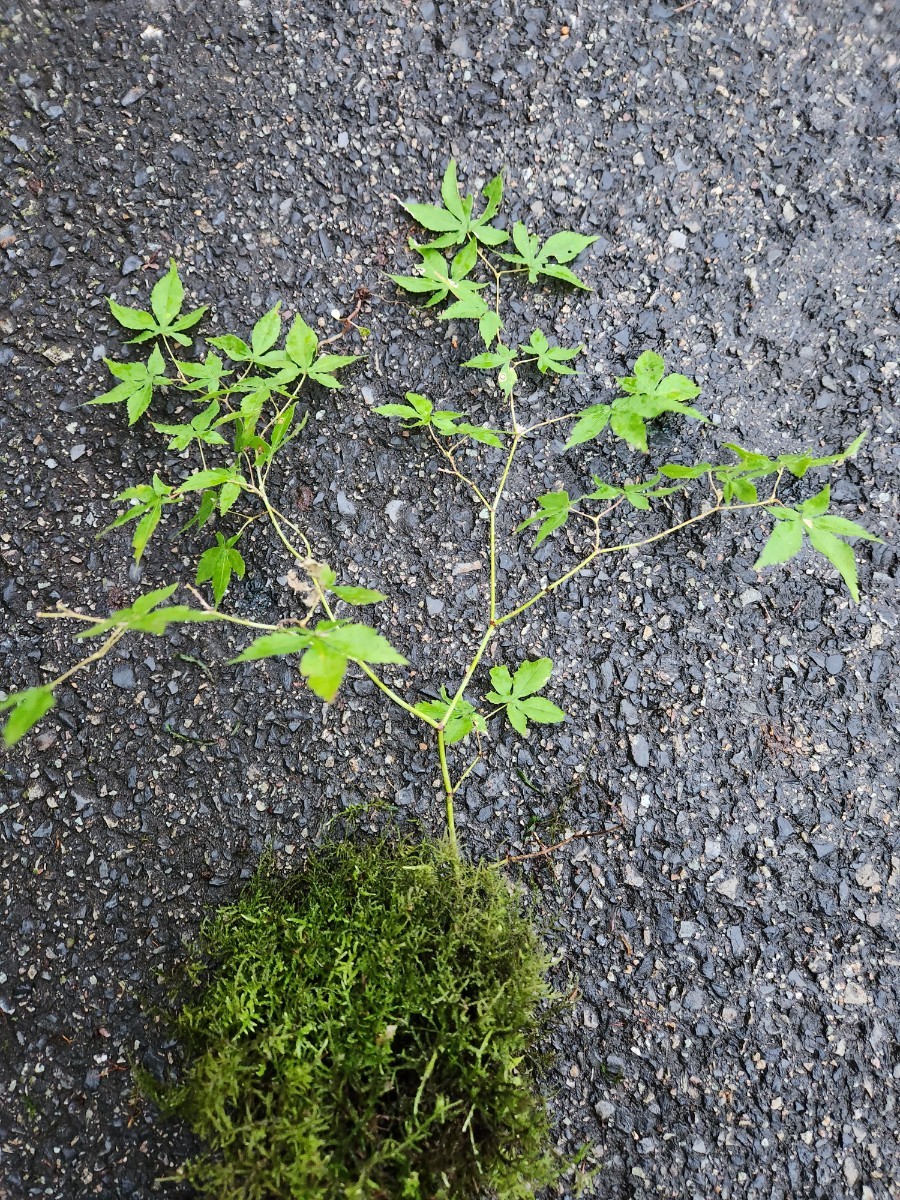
{"points": [[218, 563], [824, 531], [138, 381], [463, 720], [515, 694], [454, 222], [165, 319], [548, 259]]}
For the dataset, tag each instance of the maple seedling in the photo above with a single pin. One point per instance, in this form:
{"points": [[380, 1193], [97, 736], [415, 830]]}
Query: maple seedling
{"points": [[249, 412]]}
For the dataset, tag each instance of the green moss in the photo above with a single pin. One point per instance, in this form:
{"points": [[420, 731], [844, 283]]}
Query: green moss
{"points": [[365, 1029]]}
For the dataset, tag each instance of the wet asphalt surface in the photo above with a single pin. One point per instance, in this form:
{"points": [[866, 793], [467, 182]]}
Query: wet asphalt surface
{"points": [[732, 737]]}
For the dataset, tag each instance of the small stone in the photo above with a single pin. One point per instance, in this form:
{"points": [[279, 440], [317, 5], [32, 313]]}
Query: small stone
{"points": [[123, 677], [183, 154], [131, 264], [58, 258], [460, 47], [728, 887], [789, 212], [823, 848], [677, 240], [750, 596], [736, 937], [686, 930], [604, 1110], [393, 509], [54, 112], [785, 829], [694, 1000], [343, 140], [834, 664], [20, 143], [141, 177], [867, 877], [346, 507], [132, 96], [92, 1080], [640, 750], [856, 995], [851, 1171], [633, 877], [76, 452], [434, 606]]}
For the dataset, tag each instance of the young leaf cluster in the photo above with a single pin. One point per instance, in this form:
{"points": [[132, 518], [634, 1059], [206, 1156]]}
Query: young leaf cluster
{"points": [[515, 694], [248, 414]]}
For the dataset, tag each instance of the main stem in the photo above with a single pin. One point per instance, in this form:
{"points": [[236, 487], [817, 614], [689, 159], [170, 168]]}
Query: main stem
{"points": [[449, 793]]}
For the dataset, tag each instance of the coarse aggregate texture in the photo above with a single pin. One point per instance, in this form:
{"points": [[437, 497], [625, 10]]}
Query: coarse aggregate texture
{"points": [[733, 931]]}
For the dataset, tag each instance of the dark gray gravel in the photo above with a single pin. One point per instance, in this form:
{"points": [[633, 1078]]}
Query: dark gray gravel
{"points": [[733, 930]]}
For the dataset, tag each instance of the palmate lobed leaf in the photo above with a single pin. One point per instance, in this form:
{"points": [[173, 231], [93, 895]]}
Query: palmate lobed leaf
{"points": [[165, 320], [454, 223], [548, 260], [464, 719], [218, 563], [824, 532], [515, 694], [327, 649]]}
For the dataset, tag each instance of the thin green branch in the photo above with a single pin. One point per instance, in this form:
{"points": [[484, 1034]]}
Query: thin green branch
{"points": [[597, 551]]}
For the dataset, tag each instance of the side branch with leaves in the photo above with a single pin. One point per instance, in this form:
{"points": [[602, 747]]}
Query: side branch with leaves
{"points": [[248, 415]]}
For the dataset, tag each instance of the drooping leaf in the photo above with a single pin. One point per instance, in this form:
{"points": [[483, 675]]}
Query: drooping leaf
{"points": [[25, 709], [324, 669], [785, 540], [149, 501], [838, 553], [144, 615], [553, 512], [590, 424], [359, 595], [217, 564]]}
